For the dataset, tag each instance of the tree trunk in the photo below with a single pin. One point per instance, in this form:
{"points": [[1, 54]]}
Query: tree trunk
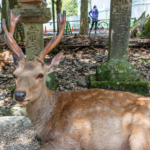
{"points": [[84, 18], [58, 6], [5, 13], [58, 10], [19, 30], [90, 3]]}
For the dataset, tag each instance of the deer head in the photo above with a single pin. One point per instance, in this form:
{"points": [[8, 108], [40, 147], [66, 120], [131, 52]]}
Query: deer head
{"points": [[30, 75]]}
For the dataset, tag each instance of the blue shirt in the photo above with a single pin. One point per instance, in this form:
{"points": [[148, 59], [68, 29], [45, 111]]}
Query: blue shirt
{"points": [[94, 12]]}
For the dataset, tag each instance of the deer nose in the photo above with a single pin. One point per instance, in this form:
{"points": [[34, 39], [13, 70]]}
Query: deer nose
{"points": [[20, 96]]}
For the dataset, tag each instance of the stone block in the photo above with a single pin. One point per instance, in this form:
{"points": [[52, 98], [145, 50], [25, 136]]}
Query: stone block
{"points": [[139, 87], [33, 15], [115, 70]]}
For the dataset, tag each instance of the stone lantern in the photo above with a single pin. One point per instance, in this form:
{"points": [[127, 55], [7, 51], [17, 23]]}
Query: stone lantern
{"points": [[34, 13]]}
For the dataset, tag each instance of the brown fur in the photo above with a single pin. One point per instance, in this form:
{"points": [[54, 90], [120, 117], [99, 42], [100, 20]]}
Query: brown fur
{"points": [[93, 119]]}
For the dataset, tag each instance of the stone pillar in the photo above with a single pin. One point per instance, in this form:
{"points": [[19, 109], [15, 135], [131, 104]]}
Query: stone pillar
{"points": [[34, 41], [33, 14], [120, 15], [117, 73]]}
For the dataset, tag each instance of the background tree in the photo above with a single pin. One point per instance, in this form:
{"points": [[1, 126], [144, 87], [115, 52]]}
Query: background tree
{"points": [[57, 6], [71, 7], [5, 13], [19, 30], [84, 18], [90, 4]]}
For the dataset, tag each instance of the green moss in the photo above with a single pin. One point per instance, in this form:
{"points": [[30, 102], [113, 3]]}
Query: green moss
{"points": [[145, 60], [115, 70], [12, 91], [54, 87], [139, 87]]}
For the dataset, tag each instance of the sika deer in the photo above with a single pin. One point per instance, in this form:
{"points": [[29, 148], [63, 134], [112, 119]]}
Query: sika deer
{"points": [[93, 119]]}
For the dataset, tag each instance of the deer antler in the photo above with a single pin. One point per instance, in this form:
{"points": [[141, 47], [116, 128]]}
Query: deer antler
{"points": [[9, 36], [54, 42]]}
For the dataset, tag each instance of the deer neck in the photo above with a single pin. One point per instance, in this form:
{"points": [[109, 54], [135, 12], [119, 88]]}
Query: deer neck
{"points": [[40, 110]]}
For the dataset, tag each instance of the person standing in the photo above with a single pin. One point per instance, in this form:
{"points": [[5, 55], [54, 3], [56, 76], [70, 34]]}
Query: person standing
{"points": [[94, 17]]}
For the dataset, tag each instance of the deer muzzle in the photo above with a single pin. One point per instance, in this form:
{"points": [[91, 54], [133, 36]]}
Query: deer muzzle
{"points": [[20, 96]]}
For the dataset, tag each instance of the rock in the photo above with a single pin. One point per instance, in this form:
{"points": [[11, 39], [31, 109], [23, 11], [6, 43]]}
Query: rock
{"points": [[79, 68], [3, 95], [11, 121], [5, 112], [2, 86], [75, 63], [136, 55], [26, 122], [17, 110], [67, 87], [1, 75], [147, 66], [2, 103], [61, 88], [82, 82]]}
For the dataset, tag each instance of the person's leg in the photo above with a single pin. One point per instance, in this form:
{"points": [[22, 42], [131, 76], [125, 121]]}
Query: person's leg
{"points": [[95, 26], [91, 26]]}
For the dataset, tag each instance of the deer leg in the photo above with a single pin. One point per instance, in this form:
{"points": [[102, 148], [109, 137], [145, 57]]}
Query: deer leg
{"points": [[139, 139]]}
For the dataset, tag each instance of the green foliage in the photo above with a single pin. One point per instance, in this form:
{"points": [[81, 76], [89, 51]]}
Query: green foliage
{"points": [[144, 60], [71, 7], [143, 30], [12, 91], [146, 28], [1, 50]]}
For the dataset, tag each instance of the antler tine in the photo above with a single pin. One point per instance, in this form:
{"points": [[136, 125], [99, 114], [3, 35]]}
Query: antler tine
{"points": [[52, 43], [13, 21], [9, 36]]}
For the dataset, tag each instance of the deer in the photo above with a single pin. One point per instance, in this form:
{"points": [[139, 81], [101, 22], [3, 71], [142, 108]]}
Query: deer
{"points": [[92, 119]]}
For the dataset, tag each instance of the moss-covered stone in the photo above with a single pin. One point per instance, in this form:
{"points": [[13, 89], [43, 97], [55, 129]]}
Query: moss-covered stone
{"points": [[115, 70], [139, 87]]}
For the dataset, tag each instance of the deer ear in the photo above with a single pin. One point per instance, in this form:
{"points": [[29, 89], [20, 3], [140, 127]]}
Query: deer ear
{"points": [[15, 59], [51, 64]]}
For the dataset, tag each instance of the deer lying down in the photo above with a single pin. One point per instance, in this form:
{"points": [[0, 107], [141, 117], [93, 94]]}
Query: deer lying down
{"points": [[93, 119]]}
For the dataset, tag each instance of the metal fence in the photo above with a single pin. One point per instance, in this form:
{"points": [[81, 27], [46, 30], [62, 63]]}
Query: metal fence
{"points": [[73, 12], [72, 8]]}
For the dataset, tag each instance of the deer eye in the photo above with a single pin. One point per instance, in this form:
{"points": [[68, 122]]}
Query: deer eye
{"points": [[40, 75]]}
